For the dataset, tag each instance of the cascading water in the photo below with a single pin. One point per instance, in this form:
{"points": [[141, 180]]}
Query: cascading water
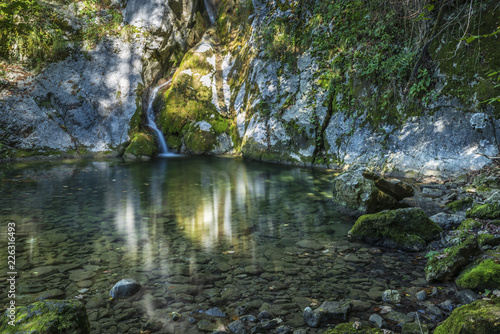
{"points": [[210, 11], [162, 145]]}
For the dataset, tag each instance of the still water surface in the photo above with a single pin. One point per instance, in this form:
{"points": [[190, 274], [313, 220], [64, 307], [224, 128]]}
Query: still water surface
{"points": [[196, 232]]}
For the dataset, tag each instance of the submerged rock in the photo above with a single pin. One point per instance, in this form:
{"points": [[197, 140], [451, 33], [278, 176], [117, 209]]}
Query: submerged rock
{"points": [[124, 288], [326, 313], [408, 229], [50, 317], [480, 317]]}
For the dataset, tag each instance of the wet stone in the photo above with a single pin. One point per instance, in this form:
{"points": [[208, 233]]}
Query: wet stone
{"points": [[377, 320], [238, 327], [466, 296], [45, 271], [310, 244], [391, 296], [231, 294], [206, 326], [398, 317], [124, 288], [421, 295], [80, 275]]}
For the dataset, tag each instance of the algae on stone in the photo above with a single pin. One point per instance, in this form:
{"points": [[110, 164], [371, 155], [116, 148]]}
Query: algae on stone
{"points": [[485, 211], [142, 145], [460, 204], [483, 275], [351, 328], [480, 317], [49, 317], [408, 229], [447, 265]]}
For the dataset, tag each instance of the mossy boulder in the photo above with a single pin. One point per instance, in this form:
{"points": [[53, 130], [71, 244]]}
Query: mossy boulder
{"points": [[483, 275], [447, 265], [485, 211], [352, 328], [142, 145], [460, 205], [408, 229], [357, 195], [48, 317], [469, 224], [480, 317]]}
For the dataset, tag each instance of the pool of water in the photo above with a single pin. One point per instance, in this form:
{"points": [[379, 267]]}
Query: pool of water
{"points": [[196, 232]]}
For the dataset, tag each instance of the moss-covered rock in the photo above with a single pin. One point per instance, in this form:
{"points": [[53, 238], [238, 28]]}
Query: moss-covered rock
{"points": [[460, 205], [488, 240], [447, 265], [351, 328], [480, 317], [408, 229], [48, 317], [485, 211], [482, 275], [142, 145], [469, 224]]}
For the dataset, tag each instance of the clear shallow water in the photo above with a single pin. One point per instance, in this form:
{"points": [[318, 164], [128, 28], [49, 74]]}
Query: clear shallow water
{"points": [[197, 232]]}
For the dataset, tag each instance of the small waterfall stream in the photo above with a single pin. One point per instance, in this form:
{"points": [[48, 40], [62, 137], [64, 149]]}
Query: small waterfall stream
{"points": [[162, 145], [210, 11]]}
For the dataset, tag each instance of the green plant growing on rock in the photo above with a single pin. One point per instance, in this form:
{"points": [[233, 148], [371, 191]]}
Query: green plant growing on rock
{"points": [[483, 275]]}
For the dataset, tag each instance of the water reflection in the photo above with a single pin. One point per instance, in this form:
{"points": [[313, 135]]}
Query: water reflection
{"points": [[169, 223]]}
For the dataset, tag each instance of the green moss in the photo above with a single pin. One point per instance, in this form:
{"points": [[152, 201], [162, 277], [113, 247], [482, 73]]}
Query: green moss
{"points": [[199, 142], [348, 328], [488, 240], [483, 275], [485, 211], [480, 317], [449, 262], [47, 317], [408, 228], [469, 224], [142, 144], [460, 204]]}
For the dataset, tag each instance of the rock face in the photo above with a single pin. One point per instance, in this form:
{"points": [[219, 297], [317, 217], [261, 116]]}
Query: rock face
{"points": [[407, 229], [124, 288], [482, 316], [50, 316]]}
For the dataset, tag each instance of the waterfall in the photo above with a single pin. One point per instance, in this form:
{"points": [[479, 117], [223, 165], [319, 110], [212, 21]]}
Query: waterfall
{"points": [[210, 11], [162, 145]]}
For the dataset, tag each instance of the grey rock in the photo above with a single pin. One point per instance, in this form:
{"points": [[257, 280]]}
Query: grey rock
{"points": [[448, 221], [398, 317], [326, 312], [447, 306], [215, 312], [238, 327], [283, 330], [378, 320], [479, 121], [124, 288], [421, 295], [269, 324], [432, 193], [467, 296], [391, 296], [264, 315], [310, 244]]}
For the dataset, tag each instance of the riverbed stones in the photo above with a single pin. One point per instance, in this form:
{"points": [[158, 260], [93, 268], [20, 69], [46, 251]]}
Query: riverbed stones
{"points": [[310, 244], [327, 312], [49, 316], [124, 288], [393, 187], [391, 296], [408, 229]]}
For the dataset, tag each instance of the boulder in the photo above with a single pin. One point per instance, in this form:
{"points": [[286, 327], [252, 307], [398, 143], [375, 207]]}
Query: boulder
{"points": [[447, 220], [393, 187], [479, 317], [484, 274], [359, 195], [48, 317], [408, 229], [447, 265], [485, 211], [353, 327], [327, 312], [460, 205], [124, 288]]}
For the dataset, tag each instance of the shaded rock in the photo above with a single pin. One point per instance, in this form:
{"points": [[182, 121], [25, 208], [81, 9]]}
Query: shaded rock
{"points": [[460, 205], [421, 295], [398, 317], [446, 266], [264, 315], [482, 316], [124, 288], [175, 316], [446, 220], [230, 294], [376, 319], [283, 330], [207, 326], [359, 195], [408, 229], [447, 306], [353, 327], [466, 296], [238, 327], [50, 316], [415, 328], [485, 211], [215, 312], [326, 313], [393, 187]]}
